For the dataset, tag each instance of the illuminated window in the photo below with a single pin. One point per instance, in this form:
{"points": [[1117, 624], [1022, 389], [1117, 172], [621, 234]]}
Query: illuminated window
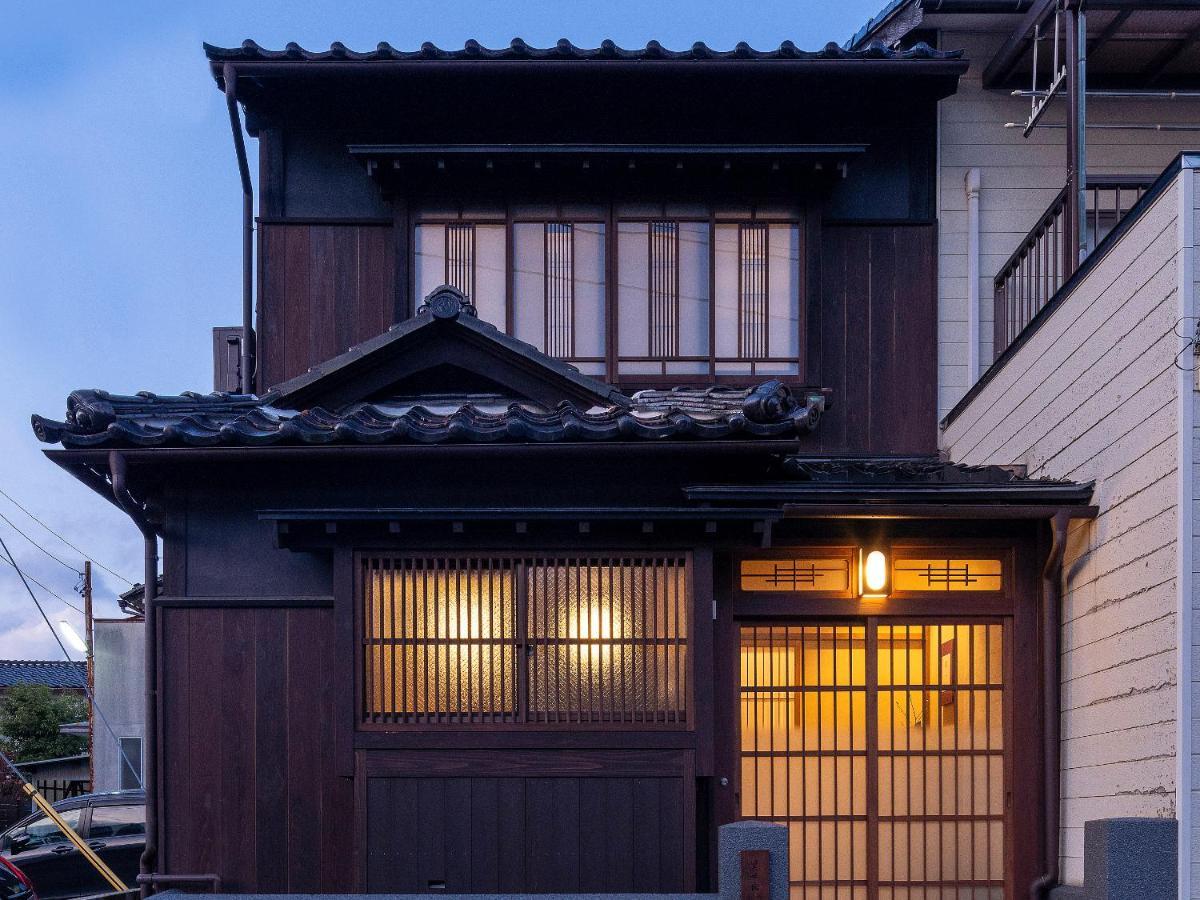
{"points": [[796, 574], [559, 641], [947, 574]]}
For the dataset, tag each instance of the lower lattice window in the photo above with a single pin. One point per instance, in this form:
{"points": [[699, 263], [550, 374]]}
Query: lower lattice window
{"points": [[553, 640]]}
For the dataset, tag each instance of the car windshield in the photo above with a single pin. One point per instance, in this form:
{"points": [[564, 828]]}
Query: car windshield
{"points": [[43, 831]]}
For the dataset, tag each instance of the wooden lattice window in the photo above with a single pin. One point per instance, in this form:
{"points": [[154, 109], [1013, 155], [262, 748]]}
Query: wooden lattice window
{"points": [[460, 257], [560, 289], [663, 289], [754, 295], [551, 640]]}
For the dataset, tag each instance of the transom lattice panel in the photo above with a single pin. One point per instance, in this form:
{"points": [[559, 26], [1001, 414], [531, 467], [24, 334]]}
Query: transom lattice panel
{"points": [[552, 640]]}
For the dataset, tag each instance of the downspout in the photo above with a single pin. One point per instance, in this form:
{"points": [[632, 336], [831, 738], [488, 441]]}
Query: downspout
{"points": [[1051, 599], [972, 183], [239, 144], [136, 512]]}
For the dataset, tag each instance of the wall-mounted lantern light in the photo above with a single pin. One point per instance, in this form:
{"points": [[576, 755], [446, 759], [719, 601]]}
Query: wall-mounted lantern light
{"points": [[874, 569]]}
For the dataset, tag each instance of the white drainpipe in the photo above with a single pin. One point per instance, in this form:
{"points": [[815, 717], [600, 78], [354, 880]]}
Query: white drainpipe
{"points": [[971, 183]]}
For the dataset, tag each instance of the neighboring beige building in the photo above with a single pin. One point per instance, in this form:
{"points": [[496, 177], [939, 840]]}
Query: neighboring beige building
{"points": [[1100, 385], [119, 647]]}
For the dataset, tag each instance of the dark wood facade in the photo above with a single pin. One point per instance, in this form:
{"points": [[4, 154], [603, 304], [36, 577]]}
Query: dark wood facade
{"points": [[581, 543]]}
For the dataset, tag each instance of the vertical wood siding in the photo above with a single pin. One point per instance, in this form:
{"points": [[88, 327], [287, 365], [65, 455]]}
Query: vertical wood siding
{"points": [[248, 776], [1019, 178], [569, 834], [1093, 395], [323, 288], [871, 338]]}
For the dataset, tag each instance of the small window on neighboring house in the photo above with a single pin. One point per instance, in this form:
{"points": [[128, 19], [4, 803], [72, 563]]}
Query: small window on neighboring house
{"points": [[130, 763]]}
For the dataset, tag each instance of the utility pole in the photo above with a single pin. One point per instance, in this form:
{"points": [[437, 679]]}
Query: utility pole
{"points": [[91, 680]]}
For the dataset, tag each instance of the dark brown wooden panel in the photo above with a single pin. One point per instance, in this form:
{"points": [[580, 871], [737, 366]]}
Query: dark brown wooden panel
{"points": [[248, 780], [323, 288], [526, 832], [875, 338]]}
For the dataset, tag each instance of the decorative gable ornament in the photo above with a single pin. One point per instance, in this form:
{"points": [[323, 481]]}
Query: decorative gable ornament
{"points": [[446, 302]]}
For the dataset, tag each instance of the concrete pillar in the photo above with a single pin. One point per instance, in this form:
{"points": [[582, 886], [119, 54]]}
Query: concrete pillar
{"points": [[1130, 859], [737, 837]]}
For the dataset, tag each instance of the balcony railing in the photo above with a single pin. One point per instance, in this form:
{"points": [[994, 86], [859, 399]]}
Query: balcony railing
{"points": [[1045, 258]]}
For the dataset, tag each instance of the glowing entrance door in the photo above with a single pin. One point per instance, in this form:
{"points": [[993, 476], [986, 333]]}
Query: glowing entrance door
{"points": [[881, 747]]}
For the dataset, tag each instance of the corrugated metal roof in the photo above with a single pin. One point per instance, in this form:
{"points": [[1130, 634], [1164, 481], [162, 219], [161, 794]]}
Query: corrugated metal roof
{"points": [[51, 673]]}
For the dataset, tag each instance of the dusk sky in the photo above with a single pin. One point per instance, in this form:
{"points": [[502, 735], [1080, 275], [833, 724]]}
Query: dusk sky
{"points": [[120, 212]]}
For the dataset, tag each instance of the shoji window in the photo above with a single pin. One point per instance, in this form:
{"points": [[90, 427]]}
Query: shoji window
{"points": [[558, 290], [538, 640], [471, 256], [663, 298], [758, 298]]}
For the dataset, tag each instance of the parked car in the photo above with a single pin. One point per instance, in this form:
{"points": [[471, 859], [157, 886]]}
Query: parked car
{"points": [[114, 825], [14, 884]]}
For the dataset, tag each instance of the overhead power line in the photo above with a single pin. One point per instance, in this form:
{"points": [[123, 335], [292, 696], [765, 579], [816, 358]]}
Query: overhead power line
{"points": [[59, 560], [57, 597], [95, 562], [87, 688]]}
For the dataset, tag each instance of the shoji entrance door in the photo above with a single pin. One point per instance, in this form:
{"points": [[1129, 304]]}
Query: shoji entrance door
{"points": [[882, 747]]}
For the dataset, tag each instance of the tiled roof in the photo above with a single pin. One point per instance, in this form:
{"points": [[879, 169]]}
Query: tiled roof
{"points": [[249, 51], [875, 21], [51, 673], [99, 419]]}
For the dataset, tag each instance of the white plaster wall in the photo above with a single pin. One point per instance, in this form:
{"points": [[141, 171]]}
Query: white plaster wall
{"points": [[1019, 178], [1093, 395], [119, 689]]}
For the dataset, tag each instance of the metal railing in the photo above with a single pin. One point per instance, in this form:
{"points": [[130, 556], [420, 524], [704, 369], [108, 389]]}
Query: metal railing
{"points": [[1045, 259]]}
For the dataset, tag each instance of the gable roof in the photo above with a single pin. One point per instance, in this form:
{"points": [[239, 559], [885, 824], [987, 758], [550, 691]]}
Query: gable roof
{"points": [[53, 673], [445, 331]]}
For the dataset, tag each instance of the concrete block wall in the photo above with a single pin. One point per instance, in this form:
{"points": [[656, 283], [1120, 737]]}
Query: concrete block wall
{"points": [[1094, 395]]}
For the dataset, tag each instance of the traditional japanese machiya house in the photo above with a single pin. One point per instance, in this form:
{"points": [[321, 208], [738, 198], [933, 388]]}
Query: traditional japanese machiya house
{"points": [[578, 492]]}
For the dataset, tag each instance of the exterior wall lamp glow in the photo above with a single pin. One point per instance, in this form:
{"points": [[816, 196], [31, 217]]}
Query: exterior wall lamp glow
{"points": [[873, 568]]}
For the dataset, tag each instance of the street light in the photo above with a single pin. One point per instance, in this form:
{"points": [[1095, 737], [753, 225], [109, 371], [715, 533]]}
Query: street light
{"points": [[72, 636]]}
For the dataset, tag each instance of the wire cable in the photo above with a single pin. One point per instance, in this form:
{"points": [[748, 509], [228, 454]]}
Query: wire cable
{"points": [[87, 688], [97, 563], [57, 597], [61, 562]]}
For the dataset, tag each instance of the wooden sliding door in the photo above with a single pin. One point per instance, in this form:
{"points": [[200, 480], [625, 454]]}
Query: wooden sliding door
{"points": [[882, 746]]}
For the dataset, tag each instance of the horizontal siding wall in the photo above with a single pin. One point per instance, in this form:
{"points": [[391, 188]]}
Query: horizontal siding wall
{"points": [[1019, 178], [1092, 396], [1192, 275]]}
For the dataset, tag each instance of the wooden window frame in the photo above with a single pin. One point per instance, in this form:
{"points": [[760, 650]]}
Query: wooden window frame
{"points": [[612, 357], [682, 719]]}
